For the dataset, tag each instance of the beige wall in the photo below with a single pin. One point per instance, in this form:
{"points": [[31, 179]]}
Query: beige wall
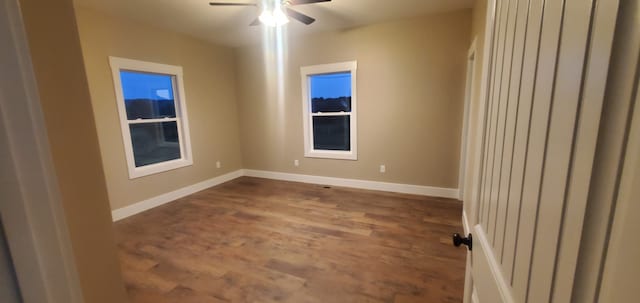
{"points": [[209, 79], [62, 87], [478, 24], [411, 76]]}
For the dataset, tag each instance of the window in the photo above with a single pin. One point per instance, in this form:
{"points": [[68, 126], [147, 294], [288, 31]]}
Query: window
{"points": [[153, 116], [329, 110]]}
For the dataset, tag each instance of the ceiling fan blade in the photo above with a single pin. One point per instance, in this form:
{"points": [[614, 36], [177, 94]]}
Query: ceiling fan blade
{"points": [[231, 4], [300, 16], [255, 22], [301, 2]]}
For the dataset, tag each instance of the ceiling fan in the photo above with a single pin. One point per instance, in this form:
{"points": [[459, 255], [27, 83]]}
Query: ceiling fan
{"points": [[275, 12]]}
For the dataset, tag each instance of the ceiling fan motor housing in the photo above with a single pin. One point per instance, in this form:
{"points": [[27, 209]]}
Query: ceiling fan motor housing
{"points": [[270, 11]]}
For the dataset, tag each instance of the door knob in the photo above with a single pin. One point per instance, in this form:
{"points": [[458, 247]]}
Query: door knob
{"points": [[458, 240]]}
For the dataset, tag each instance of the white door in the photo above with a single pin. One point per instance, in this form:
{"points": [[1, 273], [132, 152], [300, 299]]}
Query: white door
{"points": [[545, 67]]}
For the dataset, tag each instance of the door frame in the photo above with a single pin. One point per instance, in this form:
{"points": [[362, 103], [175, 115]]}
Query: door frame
{"points": [[30, 203], [468, 97], [471, 192], [472, 189]]}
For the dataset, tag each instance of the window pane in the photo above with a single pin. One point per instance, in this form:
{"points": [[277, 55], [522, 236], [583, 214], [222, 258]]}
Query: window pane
{"points": [[154, 142], [148, 96], [331, 133], [331, 92]]}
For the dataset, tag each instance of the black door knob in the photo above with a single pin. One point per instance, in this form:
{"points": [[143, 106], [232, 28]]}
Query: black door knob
{"points": [[458, 240]]}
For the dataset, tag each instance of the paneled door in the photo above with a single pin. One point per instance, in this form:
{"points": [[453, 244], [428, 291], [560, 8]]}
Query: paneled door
{"points": [[545, 70]]}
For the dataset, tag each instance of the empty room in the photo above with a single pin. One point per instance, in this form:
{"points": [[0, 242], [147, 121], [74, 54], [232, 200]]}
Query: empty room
{"points": [[310, 151]]}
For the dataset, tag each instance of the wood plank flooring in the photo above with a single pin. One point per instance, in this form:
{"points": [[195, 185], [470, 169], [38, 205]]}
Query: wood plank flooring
{"points": [[259, 240]]}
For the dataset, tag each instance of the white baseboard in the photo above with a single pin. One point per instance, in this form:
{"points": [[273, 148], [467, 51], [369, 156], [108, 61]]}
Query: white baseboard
{"points": [[141, 206], [355, 183]]}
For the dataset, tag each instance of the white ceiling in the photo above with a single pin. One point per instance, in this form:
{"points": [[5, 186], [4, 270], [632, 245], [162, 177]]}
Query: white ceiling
{"points": [[230, 25]]}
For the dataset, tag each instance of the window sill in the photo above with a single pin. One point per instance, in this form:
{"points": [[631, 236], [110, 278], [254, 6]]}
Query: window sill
{"points": [[329, 154], [158, 168]]}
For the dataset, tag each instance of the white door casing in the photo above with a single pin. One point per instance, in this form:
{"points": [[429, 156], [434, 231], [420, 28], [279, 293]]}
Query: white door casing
{"points": [[542, 96], [30, 203], [468, 95]]}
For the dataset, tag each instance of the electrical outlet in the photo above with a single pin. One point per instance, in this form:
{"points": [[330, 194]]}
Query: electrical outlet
{"points": [[383, 168], [218, 164], [296, 163]]}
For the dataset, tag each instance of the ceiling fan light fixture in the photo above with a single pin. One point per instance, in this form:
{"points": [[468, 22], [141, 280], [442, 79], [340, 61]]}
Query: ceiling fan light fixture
{"points": [[273, 18]]}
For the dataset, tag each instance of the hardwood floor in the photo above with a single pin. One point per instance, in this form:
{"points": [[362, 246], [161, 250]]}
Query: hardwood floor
{"points": [[259, 240]]}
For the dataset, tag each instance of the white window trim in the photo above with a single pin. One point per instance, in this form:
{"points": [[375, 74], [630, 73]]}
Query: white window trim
{"points": [[118, 64], [309, 151]]}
